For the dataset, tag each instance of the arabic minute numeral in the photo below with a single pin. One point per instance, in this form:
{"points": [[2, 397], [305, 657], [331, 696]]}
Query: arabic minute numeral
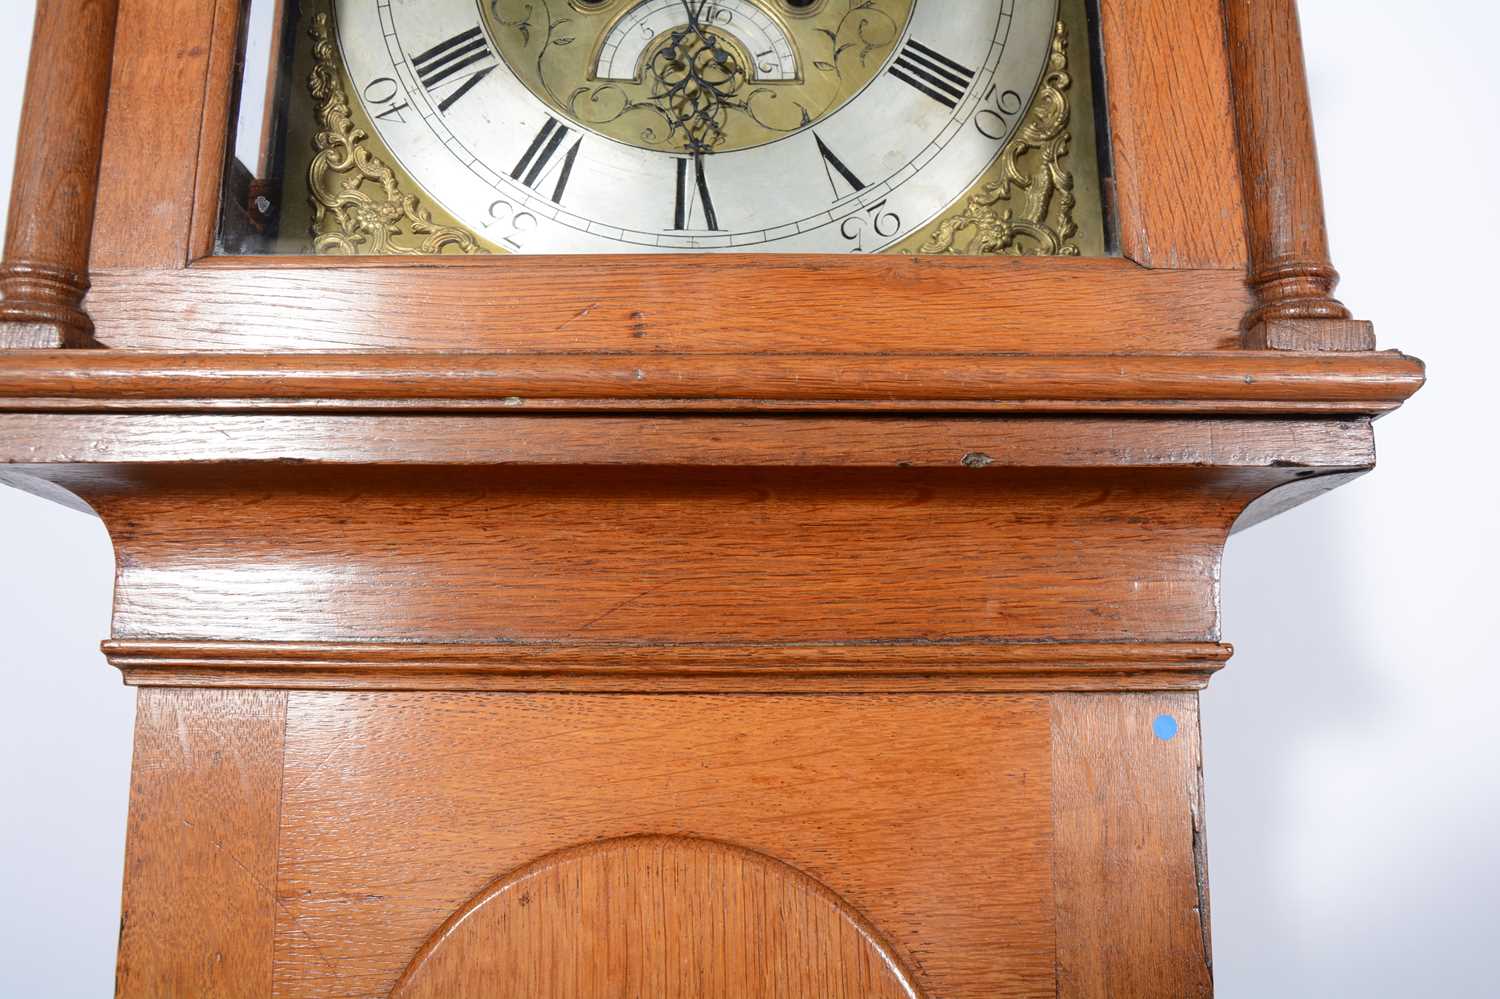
{"points": [[382, 92], [997, 117], [509, 224], [885, 224]]}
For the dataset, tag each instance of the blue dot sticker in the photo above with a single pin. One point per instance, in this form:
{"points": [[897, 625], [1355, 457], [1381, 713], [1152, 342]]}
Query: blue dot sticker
{"points": [[1165, 727]]}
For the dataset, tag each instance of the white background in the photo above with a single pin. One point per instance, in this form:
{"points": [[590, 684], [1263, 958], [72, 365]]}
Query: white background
{"points": [[1353, 759]]}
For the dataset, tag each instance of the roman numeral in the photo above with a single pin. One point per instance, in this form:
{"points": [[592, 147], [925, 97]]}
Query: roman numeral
{"points": [[445, 63], [690, 191], [533, 165], [833, 166], [932, 73]]}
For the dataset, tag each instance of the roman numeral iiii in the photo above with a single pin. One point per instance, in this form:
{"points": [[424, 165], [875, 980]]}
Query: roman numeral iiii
{"points": [[446, 62]]}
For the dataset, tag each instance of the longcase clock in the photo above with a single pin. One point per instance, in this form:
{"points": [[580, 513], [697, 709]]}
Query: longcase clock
{"points": [[672, 498]]}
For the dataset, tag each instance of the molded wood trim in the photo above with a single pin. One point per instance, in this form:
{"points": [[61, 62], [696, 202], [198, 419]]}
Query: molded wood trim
{"points": [[1268, 383], [887, 666]]}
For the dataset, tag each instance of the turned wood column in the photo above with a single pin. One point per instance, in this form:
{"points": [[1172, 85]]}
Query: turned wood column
{"points": [[45, 272], [1290, 270]]}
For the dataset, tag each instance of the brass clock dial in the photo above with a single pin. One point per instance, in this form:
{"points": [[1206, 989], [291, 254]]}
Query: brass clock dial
{"points": [[610, 126], [683, 75]]}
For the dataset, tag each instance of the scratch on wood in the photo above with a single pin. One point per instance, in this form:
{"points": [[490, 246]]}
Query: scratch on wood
{"points": [[582, 314], [1200, 873], [623, 604]]}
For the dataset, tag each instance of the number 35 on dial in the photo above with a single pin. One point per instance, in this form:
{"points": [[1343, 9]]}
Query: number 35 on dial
{"points": [[610, 126]]}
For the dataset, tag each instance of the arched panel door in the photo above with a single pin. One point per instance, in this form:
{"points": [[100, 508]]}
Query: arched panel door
{"points": [[659, 917]]}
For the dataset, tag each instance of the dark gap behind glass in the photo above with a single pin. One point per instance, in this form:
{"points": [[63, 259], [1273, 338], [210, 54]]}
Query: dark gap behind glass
{"points": [[1102, 138], [250, 205]]}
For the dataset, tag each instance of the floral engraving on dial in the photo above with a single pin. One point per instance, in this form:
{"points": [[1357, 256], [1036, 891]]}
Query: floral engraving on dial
{"points": [[1028, 209], [699, 76], [358, 203], [698, 79]]}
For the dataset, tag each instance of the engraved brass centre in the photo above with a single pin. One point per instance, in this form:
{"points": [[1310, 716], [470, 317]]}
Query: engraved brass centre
{"points": [[743, 74]]}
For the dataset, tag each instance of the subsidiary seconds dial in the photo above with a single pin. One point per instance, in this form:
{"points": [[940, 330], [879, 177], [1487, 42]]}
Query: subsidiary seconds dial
{"points": [[556, 126]]}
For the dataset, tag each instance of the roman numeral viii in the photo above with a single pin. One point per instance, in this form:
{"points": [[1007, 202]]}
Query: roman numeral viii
{"points": [[534, 165], [933, 73], [453, 62]]}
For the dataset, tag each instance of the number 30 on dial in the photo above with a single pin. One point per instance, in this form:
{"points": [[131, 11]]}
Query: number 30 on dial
{"points": [[792, 126]]}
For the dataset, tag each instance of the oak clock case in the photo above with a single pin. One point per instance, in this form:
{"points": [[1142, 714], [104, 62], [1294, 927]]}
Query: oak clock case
{"points": [[528, 618], [555, 126]]}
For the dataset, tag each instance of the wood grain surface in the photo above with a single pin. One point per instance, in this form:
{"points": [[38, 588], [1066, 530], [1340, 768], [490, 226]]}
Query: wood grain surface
{"points": [[1130, 854], [744, 304], [669, 917], [697, 555], [1348, 335], [45, 271], [152, 135], [104, 442], [200, 858], [1179, 201], [1265, 383], [931, 816]]}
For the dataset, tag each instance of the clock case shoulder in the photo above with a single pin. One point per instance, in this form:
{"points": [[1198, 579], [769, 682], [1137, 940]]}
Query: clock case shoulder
{"points": [[971, 474]]}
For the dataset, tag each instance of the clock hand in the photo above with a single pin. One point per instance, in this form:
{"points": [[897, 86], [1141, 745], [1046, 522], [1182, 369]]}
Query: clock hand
{"points": [[695, 94]]}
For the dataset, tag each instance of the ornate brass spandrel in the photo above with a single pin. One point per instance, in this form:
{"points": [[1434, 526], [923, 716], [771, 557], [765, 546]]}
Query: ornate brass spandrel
{"points": [[698, 84], [1026, 206], [360, 205]]}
